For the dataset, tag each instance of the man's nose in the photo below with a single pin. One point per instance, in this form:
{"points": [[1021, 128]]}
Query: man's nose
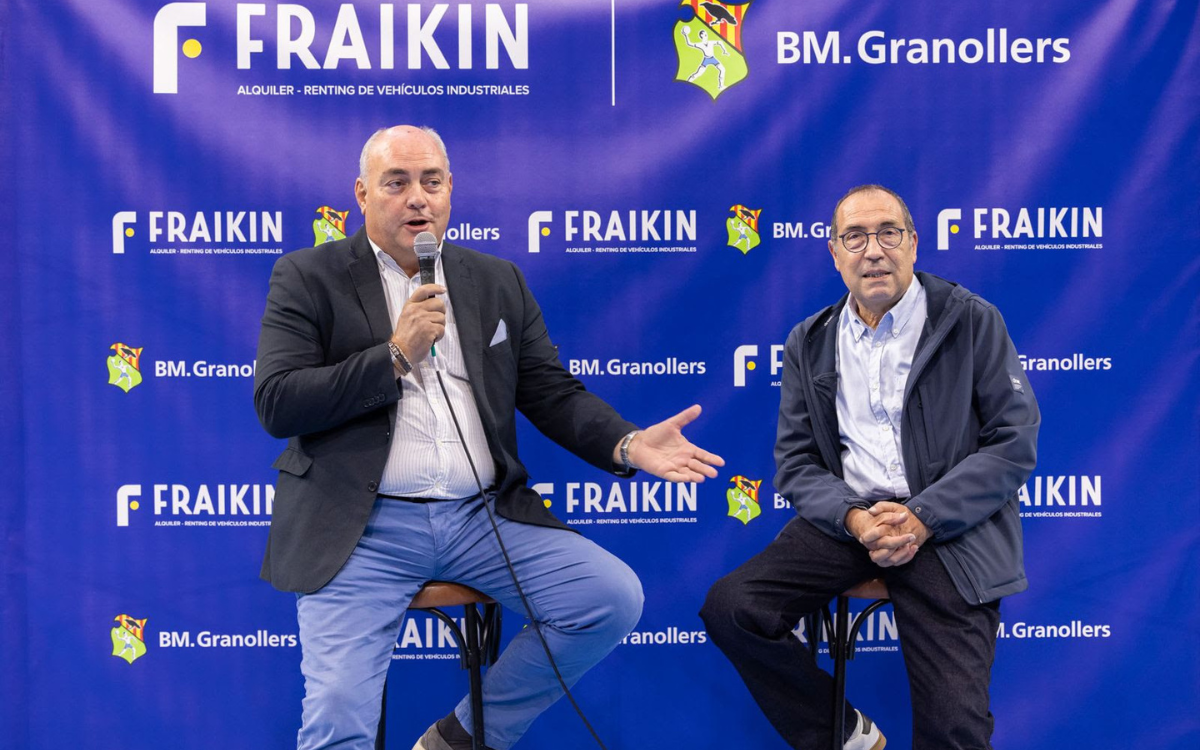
{"points": [[415, 198], [873, 248]]}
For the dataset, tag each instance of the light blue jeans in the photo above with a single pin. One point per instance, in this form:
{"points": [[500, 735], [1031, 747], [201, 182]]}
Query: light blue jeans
{"points": [[585, 599]]}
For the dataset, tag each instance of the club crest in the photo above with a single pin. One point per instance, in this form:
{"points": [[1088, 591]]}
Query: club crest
{"points": [[709, 46]]}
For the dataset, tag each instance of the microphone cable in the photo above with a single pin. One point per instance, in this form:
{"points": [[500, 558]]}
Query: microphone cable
{"points": [[508, 561]]}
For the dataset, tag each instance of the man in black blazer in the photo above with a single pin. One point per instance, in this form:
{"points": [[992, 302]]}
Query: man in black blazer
{"points": [[376, 494]]}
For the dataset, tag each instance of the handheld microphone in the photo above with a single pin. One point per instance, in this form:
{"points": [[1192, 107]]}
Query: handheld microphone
{"points": [[426, 247]]}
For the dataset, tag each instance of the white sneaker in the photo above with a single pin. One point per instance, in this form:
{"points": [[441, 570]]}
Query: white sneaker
{"points": [[431, 740], [866, 735]]}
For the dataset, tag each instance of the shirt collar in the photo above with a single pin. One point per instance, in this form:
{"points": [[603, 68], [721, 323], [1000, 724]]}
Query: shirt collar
{"points": [[893, 321], [387, 261]]}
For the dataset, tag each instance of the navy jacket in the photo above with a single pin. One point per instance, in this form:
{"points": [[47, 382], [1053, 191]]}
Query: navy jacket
{"points": [[325, 381], [969, 436]]}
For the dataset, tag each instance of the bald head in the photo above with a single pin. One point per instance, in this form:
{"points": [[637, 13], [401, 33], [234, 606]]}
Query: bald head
{"points": [[383, 133]]}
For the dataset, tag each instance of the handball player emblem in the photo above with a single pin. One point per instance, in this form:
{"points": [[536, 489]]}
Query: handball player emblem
{"points": [[129, 638], [743, 228], [331, 226], [124, 366], [743, 499], [709, 46]]}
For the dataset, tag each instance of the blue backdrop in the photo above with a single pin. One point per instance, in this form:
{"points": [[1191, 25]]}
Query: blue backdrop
{"points": [[158, 158]]}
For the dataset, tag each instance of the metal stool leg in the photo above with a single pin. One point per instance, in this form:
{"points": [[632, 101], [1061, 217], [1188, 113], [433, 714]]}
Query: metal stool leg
{"points": [[474, 626], [478, 644], [841, 648], [837, 649]]}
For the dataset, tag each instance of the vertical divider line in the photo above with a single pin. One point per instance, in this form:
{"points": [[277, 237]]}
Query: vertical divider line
{"points": [[613, 50]]}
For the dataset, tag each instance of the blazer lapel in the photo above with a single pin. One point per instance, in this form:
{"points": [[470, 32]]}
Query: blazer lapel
{"points": [[463, 289], [364, 272]]}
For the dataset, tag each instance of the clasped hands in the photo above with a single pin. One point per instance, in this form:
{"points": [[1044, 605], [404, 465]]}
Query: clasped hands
{"points": [[889, 531]]}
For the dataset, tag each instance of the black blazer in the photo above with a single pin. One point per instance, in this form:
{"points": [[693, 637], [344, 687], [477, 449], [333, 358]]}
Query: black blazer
{"points": [[325, 380]]}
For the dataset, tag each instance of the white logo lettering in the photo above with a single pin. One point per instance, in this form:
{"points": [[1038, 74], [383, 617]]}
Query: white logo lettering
{"points": [[127, 496], [167, 22], [742, 363], [945, 228], [121, 229], [537, 231]]}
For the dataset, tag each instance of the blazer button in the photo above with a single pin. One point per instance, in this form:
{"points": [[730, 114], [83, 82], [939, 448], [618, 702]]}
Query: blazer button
{"points": [[372, 486]]}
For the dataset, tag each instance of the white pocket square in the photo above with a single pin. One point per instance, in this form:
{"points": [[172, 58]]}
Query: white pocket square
{"points": [[501, 334]]}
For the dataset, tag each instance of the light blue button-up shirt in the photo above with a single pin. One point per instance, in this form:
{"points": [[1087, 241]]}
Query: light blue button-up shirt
{"points": [[873, 367]]}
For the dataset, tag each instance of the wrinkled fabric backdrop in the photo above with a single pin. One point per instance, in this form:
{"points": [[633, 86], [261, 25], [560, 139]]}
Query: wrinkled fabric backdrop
{"points": [[160, 157]]}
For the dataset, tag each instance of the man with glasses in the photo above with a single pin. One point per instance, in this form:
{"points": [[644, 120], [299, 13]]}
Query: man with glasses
{"points": [[906, 428]]}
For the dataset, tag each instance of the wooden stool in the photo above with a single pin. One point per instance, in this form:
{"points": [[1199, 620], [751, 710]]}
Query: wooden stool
{"points": [[478, 643], [844, 633]]}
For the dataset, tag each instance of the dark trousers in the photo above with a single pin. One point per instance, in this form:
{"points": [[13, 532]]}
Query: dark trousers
{"points": [[948, 644]]}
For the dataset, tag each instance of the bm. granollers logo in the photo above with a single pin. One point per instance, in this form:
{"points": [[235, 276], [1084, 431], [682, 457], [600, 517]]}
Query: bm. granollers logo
{"points": [[331, 226], [129, 638], [743, 499], [743, 228], [709, 46], [124, 366]]}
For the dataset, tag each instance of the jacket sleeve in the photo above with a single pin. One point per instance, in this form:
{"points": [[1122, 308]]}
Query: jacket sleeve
{"points": [[802, 475], [296, 390], [982, 482], [555, 401]]}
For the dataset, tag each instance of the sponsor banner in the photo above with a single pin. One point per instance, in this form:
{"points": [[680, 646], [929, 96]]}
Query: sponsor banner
{"points": [[189, 506], [987, 47], [643, 368], [424, 637], [131, 639], [1076, 362], [670, 636], [1063, 496], [127, 370], [877, 633], [1037, 228], [764, 362], [613, 231], [663, 174], [801, 230], [208, 639], [354, 38], [1073, 630], [621, 503], [222, 233]]}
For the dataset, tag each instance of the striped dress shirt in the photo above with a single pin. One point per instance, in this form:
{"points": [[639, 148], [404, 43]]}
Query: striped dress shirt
{"points": [[426, 458]]}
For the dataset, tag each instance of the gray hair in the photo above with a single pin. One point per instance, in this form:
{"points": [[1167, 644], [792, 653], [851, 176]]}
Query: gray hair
{"points": [[366, 149], [908, 220]]}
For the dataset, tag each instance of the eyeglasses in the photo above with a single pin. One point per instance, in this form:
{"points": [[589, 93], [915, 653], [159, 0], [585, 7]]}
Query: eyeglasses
{"points": [[888, 238]]}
